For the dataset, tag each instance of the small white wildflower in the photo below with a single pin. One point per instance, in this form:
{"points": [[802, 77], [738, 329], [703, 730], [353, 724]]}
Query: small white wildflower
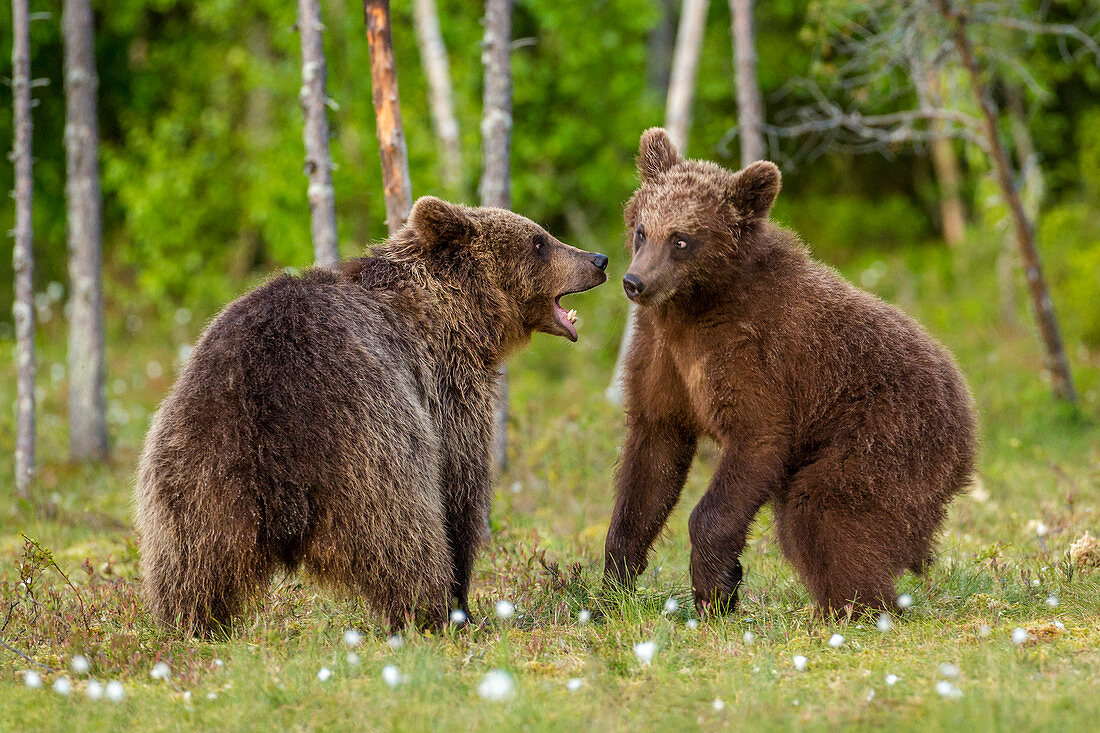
{"points": [[836, 641], [1035, 583], [891, 679], [672, 606], [984, 630], [32, 679], [584, 616], [94, 690], [692, 624], [187, 697], [324, 674], [353, 638], [884, 623], [62, 686], [1019, 635], [1052, 601], [496, 685], [79, 664], [211, 696], [748, 637], [219, 663], [396, 642], [949, 670], [458, 617], [800, 662], [718, 704], [160, 671], [870, 695], [644, 651], [946, 689], [574, 684], [505, 610], [391, 675], [1040, 528], [352, 659], [115, 691], [905, 600], [1058, 624]]}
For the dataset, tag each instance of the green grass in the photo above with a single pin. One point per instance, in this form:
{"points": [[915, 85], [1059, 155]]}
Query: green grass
{"points": [[1040, 462]]}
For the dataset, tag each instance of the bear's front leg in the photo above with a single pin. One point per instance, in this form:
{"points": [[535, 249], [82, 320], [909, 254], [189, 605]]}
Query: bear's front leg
{"points": [[656, 457], [719, 524]]}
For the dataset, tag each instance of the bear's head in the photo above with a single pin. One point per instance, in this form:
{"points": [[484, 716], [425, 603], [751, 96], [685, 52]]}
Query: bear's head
{"points": [[690, 223], [508, 264]]}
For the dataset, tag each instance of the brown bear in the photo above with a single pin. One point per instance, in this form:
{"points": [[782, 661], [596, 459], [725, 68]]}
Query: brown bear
{"points": [[834, 406], [343, 421]]}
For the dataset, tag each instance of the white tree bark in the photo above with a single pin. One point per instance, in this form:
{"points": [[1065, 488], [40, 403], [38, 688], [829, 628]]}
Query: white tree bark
{"points": [[433, 55], [750, 107], [496, 134], [318, 165], [23, 251], [681, 98], [87, 426]]}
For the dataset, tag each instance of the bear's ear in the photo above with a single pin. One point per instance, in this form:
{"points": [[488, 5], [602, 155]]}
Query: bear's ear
{"points": [[656, 154], [439, 223], [752, 191]]}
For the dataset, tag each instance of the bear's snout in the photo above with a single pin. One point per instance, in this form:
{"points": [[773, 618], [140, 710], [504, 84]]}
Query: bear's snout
{"points": [[600, 261], [632, 285]]}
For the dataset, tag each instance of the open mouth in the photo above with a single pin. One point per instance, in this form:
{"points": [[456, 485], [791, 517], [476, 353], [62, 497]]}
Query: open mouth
{"points": [[567, 319]]}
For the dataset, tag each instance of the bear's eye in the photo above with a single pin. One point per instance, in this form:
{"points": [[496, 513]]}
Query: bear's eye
{"points": [[681, 244], [540, 242], [639, 237]]}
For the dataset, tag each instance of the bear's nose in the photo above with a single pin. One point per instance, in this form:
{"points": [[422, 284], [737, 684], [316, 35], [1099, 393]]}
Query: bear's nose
{"points": [[600, 261], [632, 285]]}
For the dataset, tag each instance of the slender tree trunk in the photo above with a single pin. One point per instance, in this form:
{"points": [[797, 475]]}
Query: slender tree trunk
{"points": [[685, 64], [387, 112], [23, 251], [496, 133], [88, 428], [318, 166], [946, 165], [681, 96], [1047, 320], [750, 107], [433, 55], [661, 40]]}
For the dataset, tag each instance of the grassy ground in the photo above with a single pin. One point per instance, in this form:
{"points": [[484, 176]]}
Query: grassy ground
{"points": [[74, 550]]}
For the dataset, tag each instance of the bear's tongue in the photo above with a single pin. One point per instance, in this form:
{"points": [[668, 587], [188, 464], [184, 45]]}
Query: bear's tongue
{"points": [[565, 318]]}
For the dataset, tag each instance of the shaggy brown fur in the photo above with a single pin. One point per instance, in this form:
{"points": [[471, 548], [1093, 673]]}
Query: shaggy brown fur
{"points": [[343, 420], [832, 405]]}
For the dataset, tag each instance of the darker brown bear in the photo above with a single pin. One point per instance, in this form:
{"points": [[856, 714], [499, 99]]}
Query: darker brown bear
{"points": [[343, 421], [832, 405]]}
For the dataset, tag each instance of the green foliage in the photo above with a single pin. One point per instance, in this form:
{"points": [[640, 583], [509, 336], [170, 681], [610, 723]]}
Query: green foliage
{"points": [[1070, 234]]}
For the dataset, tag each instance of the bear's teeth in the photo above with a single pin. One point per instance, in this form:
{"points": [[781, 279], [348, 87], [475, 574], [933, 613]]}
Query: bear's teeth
{"points": [[571, 316]]}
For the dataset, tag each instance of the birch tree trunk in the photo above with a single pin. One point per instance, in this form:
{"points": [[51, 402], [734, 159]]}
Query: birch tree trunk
{"points": [[387, 113], [681, 96], [433, 55], [87, 425], [946, 165], [685, 64], [318, 165], [750, 107], [23, 251], [496, 134], [1055, 355]]}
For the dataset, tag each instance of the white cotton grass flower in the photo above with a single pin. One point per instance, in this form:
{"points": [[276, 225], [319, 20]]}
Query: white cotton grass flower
{"points": [[32, 679], [1035, 583], [692, 623], [836, 641], [352, 659], [79, 664], [1052, 601], [496, 685], [1019, 635], [62, 686], [984, 630], [353, 638], [749, 637], [891, 679], [718, 704], [396, 641], [458, 617], [884, 623], [574, 684], [211, 696], [671, 606], [391, 675], [115, 691], [946, 689], [949, 670], [870, 695], [219, 663], [644, 651], [905, 600], [160, 671], [94, 690], [324, 674], [800, 662], [584, 616], [1058, 624], [505, 610]]}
